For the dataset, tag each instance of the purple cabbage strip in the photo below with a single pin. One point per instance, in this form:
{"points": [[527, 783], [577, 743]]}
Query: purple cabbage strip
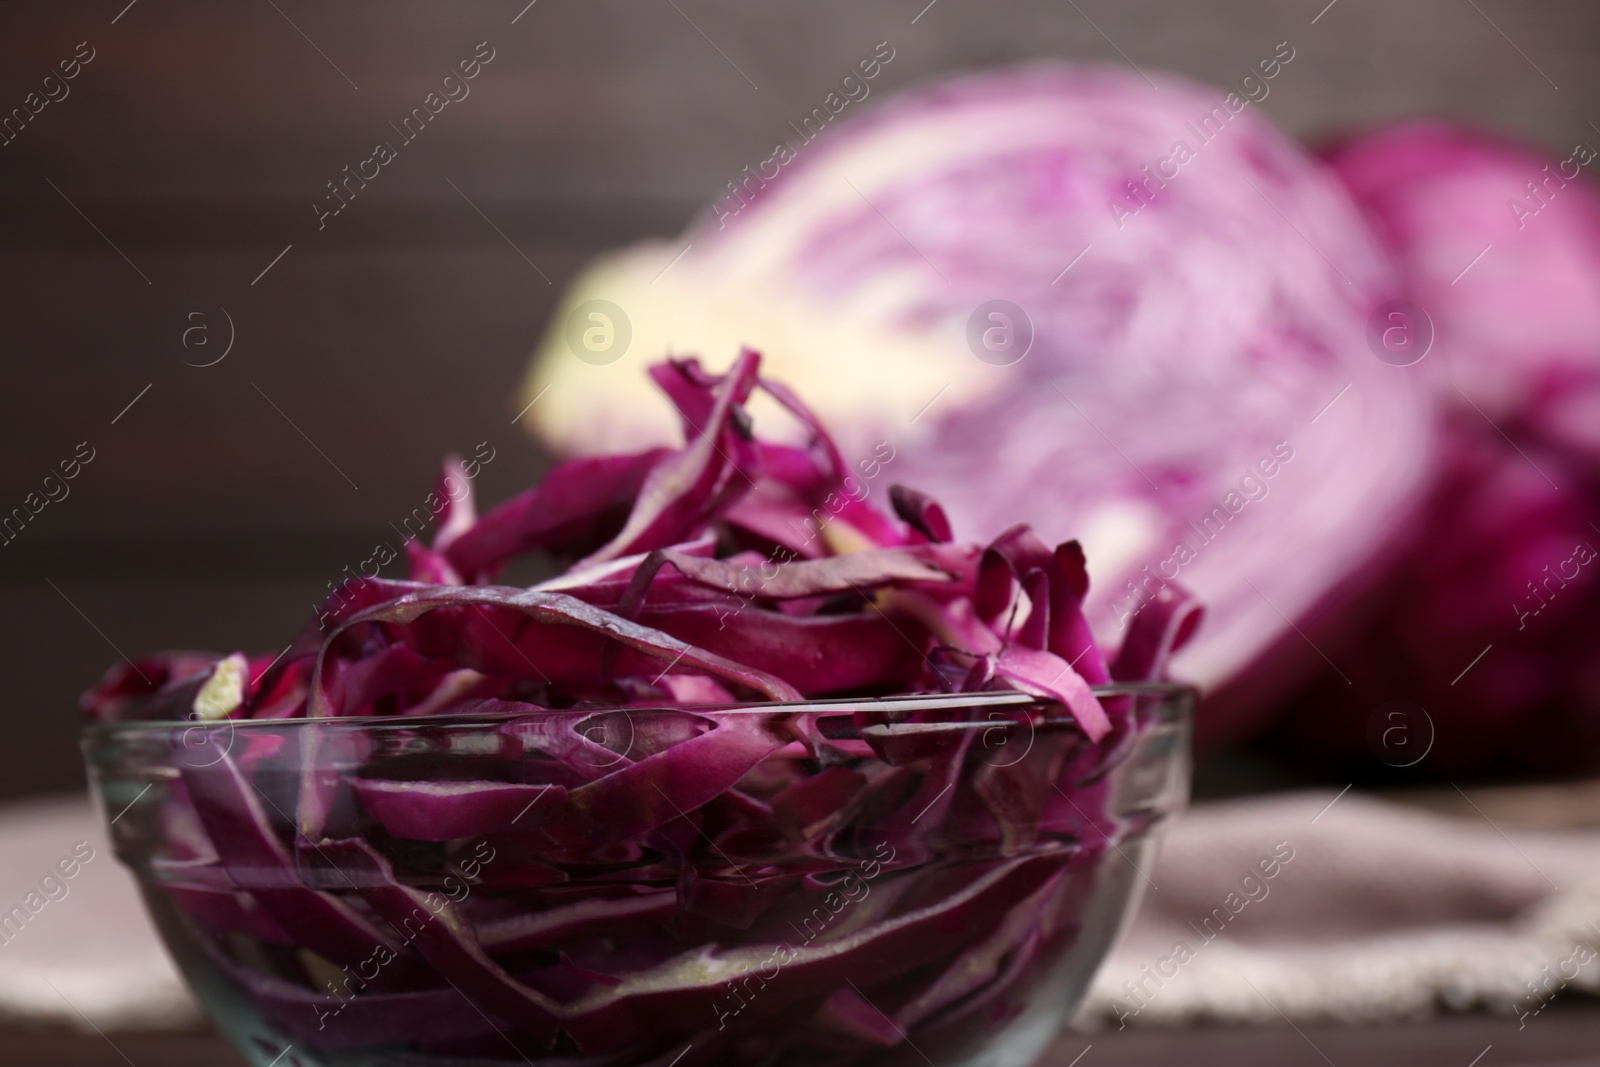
{"points": [[567, 512], [685, 489], [544, 609], [1165, 624], [252, 852], [439, 811]]}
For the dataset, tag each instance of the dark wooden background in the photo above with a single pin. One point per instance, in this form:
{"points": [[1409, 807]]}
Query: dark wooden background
{"points": [[190, 150]]}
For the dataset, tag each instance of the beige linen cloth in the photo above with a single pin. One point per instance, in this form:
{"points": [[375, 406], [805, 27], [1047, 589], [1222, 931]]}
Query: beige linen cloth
{"points": [[1382, 912], [88, 954], [1371, 911]]}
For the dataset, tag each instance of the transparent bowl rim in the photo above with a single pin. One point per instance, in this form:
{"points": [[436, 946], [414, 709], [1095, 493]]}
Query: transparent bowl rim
{"points": [[1176, 698]]}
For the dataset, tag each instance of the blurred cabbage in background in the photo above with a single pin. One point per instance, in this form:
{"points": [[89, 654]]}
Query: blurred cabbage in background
{"points": [[1193, 390], [1503, 565], [1519, 332]]}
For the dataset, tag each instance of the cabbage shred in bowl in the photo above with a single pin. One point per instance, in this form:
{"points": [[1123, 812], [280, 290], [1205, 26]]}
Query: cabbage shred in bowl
{"points": [[764, 776]]}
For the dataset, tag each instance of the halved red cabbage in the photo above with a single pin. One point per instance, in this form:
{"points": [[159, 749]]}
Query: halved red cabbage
{"points": [[1199, 404]]}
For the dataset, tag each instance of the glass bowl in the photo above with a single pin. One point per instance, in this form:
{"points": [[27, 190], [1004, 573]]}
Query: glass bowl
{"points": [[930, 879]]}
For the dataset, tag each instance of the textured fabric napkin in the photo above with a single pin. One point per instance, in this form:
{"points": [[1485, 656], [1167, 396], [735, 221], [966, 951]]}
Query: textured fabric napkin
{"points": [[77, 947], [1272, 907], [1317, 905]]}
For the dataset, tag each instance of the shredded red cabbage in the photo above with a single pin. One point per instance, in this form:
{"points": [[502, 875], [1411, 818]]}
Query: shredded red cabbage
{"points": [[641, 861]]}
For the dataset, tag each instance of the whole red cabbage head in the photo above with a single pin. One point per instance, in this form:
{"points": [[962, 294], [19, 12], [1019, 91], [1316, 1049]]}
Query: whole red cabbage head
{"points": [[1488, 620], [1187, 291], [1500, 244], [1488, 623]]}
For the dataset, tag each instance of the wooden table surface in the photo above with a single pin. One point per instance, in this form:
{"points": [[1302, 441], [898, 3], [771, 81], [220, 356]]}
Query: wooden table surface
{"points": [[1563, 1036]]}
